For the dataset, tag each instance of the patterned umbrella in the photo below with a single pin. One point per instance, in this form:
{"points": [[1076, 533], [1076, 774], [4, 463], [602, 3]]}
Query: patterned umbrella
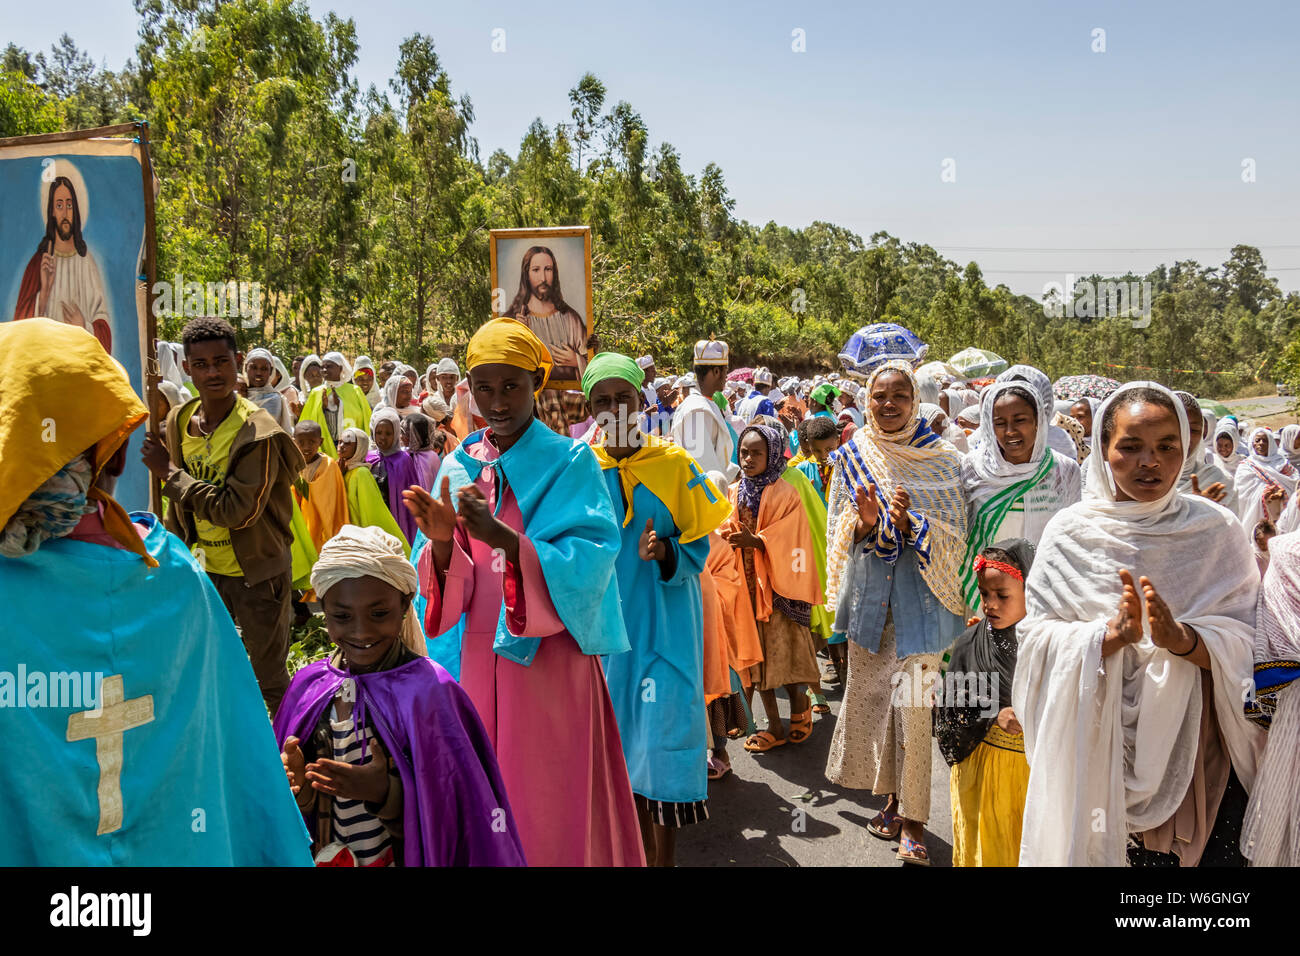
{"points": [[741, 375], [874, 345], [978, 363], [938, 370], [1071, 388]]}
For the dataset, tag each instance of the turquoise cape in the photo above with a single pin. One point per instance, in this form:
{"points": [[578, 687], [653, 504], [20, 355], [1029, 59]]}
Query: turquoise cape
{"points": [[657, 688], [571, 523], [201, 783]]}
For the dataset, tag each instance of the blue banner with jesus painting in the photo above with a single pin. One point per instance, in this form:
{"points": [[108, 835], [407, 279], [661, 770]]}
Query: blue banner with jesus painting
{"points": [[72, 230]]}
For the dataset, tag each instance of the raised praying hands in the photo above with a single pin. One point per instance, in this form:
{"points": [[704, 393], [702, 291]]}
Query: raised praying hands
{"points": [[898, 506], [436, 517], [1165, 631], [650, 547], [868, 505], [1126, 626], [369, 781], [1216, 491]]}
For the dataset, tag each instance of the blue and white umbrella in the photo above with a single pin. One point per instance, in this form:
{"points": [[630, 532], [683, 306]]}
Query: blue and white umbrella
{"points": [[874, 345]]}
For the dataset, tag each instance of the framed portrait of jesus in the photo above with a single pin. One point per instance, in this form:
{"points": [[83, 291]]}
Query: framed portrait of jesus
{"points": [[542, 277]]}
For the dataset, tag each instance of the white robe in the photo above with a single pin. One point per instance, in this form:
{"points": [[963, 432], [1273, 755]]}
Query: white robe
{"points": [[698, 426], [1112, 745], [77, 281]]}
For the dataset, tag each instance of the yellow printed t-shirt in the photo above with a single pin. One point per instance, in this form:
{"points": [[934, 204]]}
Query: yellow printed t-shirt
{"points": [[207, 460]]}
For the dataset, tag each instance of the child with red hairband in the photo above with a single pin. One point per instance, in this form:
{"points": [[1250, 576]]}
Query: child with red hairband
{"points": [[977, 730]]}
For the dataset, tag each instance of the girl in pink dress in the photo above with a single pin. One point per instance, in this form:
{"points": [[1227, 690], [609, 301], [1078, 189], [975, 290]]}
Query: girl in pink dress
{"points": [[521, 560]]}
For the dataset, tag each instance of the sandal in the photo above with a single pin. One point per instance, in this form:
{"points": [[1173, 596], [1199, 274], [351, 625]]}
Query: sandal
{"points": [[819, 705], [913, 851], [762, 742], [800, 727], [885, 825], [718, 769]]}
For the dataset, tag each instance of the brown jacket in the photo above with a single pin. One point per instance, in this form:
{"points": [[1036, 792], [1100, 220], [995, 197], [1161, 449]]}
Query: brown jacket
{"points": [[255, 502]]}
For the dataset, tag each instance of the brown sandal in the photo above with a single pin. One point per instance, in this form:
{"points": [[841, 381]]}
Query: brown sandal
{"points": [[801, 726], [762, 742]]}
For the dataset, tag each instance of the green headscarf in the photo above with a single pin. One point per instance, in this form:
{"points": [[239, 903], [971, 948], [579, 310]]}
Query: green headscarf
{"points": [[823, 393], [611, 365]]}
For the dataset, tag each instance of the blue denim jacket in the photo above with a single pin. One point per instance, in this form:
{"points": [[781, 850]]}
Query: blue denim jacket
{"points": [[872, 587]]}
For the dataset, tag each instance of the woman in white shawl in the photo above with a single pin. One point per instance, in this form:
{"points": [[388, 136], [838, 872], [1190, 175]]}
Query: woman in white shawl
{"points": [[1289, 440], [1227, 446], [1271, 835], [373, 395], [895, 532], [1136, 648], [1014, 483], [282, 382], [268, 396], [1058, 438], [1265, 482], [399, 392], [305, 382], [1201, 473]]}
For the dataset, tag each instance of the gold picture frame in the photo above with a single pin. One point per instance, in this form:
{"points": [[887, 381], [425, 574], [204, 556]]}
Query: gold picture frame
{"points": [[514, 246]]}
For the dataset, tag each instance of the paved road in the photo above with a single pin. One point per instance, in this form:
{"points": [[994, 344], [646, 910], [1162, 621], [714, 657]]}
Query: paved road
{"points": [[753, 819], [1265, 407]]}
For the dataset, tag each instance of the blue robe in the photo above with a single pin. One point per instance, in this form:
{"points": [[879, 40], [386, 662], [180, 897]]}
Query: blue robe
{"points": [[574, 533], [657, 687], [201, 780]]}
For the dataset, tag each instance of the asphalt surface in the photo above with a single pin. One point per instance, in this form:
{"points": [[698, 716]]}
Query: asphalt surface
{"points": [[1268, 410], [778, 809]]}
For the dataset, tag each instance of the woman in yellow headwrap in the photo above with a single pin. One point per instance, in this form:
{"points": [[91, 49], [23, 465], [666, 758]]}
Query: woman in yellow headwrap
{"points": [[518, 576], [118, 606]]}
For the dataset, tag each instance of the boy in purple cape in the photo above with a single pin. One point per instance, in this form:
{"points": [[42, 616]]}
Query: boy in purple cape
{"points": [[384, 752]]}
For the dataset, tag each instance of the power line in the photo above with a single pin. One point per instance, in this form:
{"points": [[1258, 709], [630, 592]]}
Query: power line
{"points": [[1110, 249], [1057, 272]]}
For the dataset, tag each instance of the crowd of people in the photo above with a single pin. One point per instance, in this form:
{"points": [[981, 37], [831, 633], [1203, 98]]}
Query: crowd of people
{"points": [[549, 612]]}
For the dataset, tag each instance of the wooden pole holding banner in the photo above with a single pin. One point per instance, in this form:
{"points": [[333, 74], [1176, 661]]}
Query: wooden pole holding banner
{"points": [[152, 374]]}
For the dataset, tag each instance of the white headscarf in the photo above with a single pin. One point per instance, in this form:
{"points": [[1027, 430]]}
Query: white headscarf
{"points": [[385, 413], [285, 385], [448, 366], [1040, 385], [362, 449], [1289, 442], [1085, 719], [339, 359], [373, 395], [1229, 464], [1256, 475], [390, 391], [370, 553], [268, 394], [303, 387]]}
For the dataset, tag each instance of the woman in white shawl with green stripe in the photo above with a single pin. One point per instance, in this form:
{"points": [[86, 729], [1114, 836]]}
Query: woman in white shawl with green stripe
{"points": [[1014, 483], [1135, 657]]}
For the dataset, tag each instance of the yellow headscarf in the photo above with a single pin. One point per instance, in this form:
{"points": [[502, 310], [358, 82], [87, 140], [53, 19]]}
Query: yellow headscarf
{"points": [[41, 430], [509, 342]]}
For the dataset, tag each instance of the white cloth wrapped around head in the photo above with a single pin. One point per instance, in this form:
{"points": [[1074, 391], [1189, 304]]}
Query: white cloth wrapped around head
{"points": [[370, 553], [358, 457], [448, 366]]}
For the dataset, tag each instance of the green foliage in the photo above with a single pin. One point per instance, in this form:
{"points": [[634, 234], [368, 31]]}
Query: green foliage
{"points": [[24, 108], [364, 216], [308, 644]]}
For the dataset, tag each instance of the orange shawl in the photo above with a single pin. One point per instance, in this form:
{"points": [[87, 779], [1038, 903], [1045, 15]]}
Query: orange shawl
{"points": [[734, 631], [788, 566]]}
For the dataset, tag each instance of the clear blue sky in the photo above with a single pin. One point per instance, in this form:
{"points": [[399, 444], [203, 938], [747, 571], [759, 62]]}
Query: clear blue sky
{"points": [[1055, 146]]}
